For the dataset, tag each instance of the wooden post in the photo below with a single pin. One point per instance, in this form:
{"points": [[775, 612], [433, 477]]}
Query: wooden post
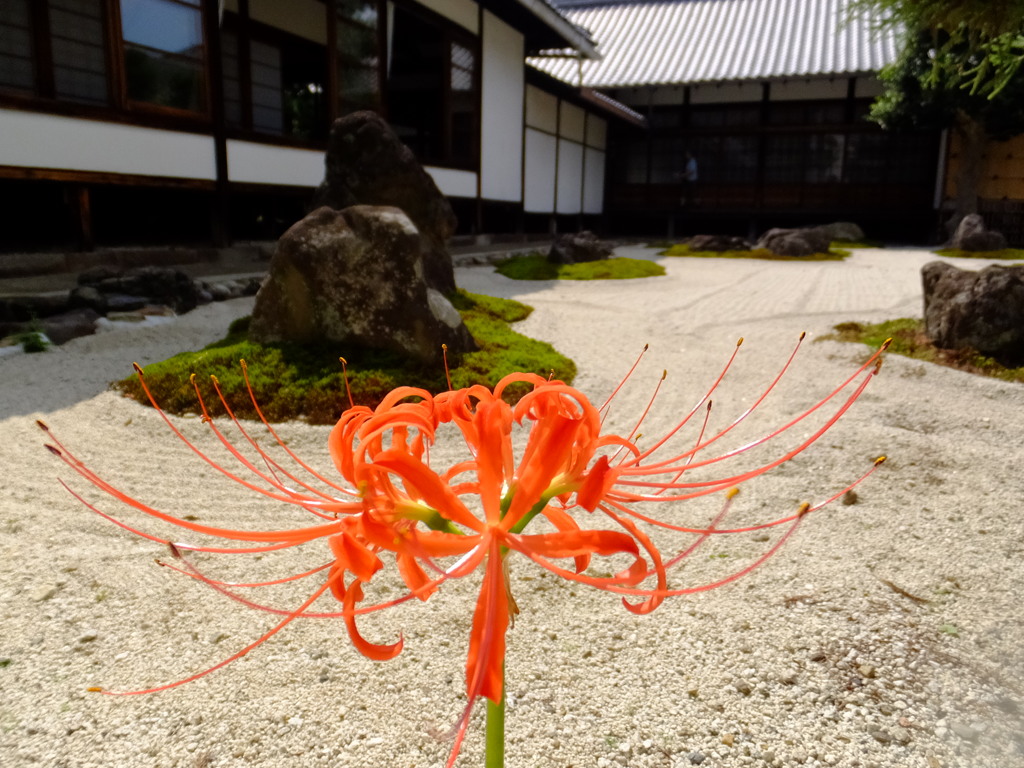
{"points": [[81, 211]]}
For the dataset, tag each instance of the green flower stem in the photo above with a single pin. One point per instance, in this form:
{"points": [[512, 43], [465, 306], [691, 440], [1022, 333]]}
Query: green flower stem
{"points": [[494, 756]]}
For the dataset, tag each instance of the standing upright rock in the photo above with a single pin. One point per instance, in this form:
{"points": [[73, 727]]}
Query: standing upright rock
{"points": [[982, 310], [356, 277], [367, 164]]}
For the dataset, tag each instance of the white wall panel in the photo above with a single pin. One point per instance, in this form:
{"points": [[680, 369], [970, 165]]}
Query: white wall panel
{"points": [[539, 184], [31, 140], [501, 107], [797, 90], [570, 177], [868, 87], [541, 109], [266, 164], [571, 122], [593, 181], [725, 93], [462, 12], [452, 182]]}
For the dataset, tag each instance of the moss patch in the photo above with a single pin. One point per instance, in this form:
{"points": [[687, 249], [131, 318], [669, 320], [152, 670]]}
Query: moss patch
{"points": [[835, 254], [293, 381], [1005, 253], [535, 266], [909, 339]]}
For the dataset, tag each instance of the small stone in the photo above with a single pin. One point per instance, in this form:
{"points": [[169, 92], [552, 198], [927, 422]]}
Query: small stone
{"points": [[743, 687], [728, 739], [964, 731], [882, 737], [45, 592], [87, 637], [696, 758], [295, 721], [867, 671], [850, 498], [818, 656]]}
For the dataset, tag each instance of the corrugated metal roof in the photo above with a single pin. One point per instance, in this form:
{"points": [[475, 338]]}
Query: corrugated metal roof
{"points": [[703, 41]]}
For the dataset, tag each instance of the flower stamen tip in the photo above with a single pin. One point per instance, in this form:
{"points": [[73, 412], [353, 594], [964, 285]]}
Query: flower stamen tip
{"points": [[138, 368], [739, 341], [54, 450], [732, 493], [803, 335], [885, 345], [804, 509], [94, 689], [881, 460], [42, 426]]}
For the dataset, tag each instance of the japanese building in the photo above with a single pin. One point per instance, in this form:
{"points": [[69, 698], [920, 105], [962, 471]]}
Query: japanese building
{"points": [[155, 121], [771, 97]]}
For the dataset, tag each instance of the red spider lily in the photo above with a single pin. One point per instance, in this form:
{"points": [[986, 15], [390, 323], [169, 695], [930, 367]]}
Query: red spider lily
{"points": [[542, 461]]}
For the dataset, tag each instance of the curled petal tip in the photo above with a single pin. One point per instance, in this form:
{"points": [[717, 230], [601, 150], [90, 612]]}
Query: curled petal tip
{"points": [[138, 368], [881, 460], [192, 379]]}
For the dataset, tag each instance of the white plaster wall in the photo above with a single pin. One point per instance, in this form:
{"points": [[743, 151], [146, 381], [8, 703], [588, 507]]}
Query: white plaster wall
{"points": [[660, 95], [868, 87], [541, 109], [597, 131], [452, 182], [572, 121], [266, 164], [30, 140], [462, 12], [726, 93], [797, 90], [305, 18], [593, 181], [570, 177], [501, 111], [539, 181]]}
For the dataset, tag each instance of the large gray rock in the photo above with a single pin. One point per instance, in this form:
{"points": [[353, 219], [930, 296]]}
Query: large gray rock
{"points": [[841, 230], [367, 164], [971, 235], [573, 248], [356, 276], [144, 285], [795, 242], [982, 310], [717, 243]]}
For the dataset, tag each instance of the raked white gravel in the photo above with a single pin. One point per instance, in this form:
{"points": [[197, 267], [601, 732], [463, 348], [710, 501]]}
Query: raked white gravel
{"points": [[820, 658]]}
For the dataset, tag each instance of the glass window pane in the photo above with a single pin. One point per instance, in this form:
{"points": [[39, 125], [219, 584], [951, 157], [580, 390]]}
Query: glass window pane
{"points": [[358, 55], [161, 79], [267, 104], [16, 67], [79, 50], [163, 25]]}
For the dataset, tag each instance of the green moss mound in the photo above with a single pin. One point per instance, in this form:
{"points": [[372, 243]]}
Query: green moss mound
{"points": [[910, 340], [681, 249], [1009, 254], [535, 266], [293, 381]]}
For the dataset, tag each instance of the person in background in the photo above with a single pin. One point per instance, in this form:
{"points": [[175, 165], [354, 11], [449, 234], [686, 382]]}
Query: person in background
{"points": [[689, 178]]}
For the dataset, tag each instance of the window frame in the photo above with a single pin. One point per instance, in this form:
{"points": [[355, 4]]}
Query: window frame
{"points": [[450, 33]]}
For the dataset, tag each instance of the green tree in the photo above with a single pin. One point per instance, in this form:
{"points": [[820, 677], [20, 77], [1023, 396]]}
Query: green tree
{"points": [[959, 67]]}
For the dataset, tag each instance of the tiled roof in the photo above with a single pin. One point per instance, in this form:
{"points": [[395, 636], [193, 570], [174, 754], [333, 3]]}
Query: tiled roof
{"points": [[705, 41]]}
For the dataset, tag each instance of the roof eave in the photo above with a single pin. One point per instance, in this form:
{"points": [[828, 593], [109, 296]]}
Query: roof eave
{"points": [[574, 36]]}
